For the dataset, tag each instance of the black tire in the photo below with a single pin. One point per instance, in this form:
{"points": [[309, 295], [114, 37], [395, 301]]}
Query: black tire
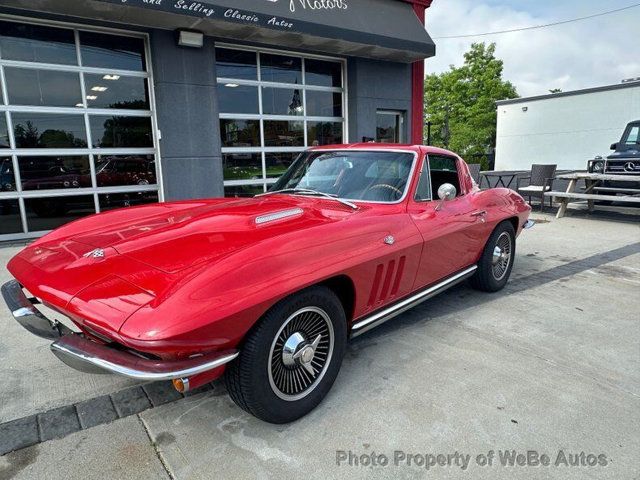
{"points": [[259, 380], [493, 272]]}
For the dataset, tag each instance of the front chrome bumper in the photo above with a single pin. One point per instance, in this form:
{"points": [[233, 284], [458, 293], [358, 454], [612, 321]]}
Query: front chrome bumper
{"points": [[87, 356]]}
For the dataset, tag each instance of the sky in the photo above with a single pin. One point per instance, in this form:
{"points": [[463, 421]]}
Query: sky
{"points": [[589, 53]]}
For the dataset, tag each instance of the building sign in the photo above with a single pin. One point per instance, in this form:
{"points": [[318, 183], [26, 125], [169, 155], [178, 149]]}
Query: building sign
{"points": [[277, 13], [387, 29]]}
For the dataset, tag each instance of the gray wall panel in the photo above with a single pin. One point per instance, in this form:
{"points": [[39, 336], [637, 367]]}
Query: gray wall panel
{"points": [[186, 178], [376, 85], [187, 112]]}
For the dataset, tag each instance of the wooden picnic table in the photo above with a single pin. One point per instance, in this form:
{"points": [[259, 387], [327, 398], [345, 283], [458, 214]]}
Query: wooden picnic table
{"points": [[592, 180]]}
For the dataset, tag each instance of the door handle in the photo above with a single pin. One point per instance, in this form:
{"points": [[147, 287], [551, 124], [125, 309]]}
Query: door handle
{"points": [[480, 213]]}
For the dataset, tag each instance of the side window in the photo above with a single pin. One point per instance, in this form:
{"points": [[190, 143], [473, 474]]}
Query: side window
{"points": [[443, 169], [423, 192], [634, 136]]}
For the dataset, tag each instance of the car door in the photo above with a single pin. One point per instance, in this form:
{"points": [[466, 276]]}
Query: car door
{"points": [[452, 230]]}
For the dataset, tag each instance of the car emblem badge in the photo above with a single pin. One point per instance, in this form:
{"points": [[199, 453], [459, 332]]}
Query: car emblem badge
{"points": [[629, 167], [389, 240], [97, 253]]}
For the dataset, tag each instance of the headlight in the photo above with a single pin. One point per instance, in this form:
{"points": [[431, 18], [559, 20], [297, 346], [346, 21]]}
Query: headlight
{"points": [[596, 166]]}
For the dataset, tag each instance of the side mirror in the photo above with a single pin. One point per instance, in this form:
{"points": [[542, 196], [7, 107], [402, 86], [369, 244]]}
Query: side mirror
{"points": [[614, 146], [446, 193]]}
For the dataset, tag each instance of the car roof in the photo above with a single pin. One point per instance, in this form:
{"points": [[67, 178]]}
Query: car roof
{"points": [[384, 146]]}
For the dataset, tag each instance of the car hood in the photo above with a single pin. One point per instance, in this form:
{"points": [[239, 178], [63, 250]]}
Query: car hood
{"points": [[186, 234], [631, 153]]}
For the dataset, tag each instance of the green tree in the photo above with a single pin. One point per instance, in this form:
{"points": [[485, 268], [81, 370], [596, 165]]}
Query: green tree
{"points": [[460, 103]]}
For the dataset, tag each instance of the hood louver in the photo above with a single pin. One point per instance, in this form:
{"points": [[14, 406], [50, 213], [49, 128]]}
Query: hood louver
{"points": [[272, 217]]}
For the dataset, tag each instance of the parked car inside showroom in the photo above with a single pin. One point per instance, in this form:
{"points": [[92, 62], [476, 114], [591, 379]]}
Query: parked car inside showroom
{"points": [[267, 290]]}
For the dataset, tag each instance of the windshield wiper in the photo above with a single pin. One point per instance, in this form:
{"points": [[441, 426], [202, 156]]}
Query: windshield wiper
{"points": [[308, 191]]}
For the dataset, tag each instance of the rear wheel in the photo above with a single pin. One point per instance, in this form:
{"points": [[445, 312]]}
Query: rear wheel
{"points": [[496, 262], [291, 358]]}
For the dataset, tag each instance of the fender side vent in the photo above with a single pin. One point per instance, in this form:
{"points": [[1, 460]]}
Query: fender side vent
{"points": [[272, 217]]}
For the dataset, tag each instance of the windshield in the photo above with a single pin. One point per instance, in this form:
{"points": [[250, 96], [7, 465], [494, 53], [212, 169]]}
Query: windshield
{"points": [[375, 176]]}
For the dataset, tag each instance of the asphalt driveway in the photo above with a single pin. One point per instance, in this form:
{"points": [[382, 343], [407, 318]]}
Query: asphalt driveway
{"points": [[455, 388]]}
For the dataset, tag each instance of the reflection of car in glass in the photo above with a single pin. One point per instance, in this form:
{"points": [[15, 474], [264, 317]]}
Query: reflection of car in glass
{"points": [[271, 287], [7, 180], [55, 177], [624, 161], [114, 171]]}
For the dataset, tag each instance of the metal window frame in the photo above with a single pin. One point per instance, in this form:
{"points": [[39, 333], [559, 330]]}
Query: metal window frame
{"points": [[87, 112], [261, 117]]}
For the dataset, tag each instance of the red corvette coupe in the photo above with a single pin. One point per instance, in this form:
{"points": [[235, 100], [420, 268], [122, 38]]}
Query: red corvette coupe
{"points": [[269, 288]]}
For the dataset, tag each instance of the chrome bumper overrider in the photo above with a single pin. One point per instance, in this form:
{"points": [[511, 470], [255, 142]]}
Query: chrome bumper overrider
{"points": [[87, 356]]}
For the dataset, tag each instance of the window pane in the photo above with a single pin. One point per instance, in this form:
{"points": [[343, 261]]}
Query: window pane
{"points": [[283, 133], [49, 130], [279, 68], [243, 190], [423, 191], [47, 88], [10, 217], [326, 74], [324, 133], [234, 98], [242, 166], [48, 173], [4, 131], [236, 64], [123, 132], [282, 101], [35, 43], [115, 170], [388, 127], [111, 51], [50, 213], [442, 164], [7, 179], [277, 163], [111, 201], [115, 91], [324, 104], [240, 133]]}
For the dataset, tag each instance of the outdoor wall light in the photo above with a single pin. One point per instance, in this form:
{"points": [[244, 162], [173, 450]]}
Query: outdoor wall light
{"points": [[190, 38]]}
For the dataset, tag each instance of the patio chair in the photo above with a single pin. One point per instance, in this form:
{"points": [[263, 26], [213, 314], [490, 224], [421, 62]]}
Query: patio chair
{"points": [[540, 181], [474, 170]]}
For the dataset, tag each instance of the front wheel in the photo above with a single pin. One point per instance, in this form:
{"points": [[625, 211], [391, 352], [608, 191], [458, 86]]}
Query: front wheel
{"points": [[496, 262], [290, 360]]}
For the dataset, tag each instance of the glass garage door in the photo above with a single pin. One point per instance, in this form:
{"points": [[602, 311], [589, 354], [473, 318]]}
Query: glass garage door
{"points": [[273, 106], [76, 126]]}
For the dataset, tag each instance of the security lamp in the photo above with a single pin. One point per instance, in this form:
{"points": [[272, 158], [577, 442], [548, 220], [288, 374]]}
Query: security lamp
{"points": [[190, 38]]}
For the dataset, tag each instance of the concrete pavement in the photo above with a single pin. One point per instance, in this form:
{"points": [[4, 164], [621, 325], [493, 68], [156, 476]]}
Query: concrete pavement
{"points": [[550, 365]]}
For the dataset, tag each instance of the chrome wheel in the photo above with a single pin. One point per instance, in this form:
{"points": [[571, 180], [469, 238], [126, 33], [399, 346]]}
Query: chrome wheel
{"points": [[300, 353], [501, 256]]}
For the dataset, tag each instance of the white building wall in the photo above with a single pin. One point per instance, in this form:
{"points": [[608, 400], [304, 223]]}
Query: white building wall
{"points": [[565, 130]]}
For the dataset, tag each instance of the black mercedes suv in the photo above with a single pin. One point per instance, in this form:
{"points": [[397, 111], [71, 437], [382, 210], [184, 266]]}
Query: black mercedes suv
{"points": [[624, 161]]}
